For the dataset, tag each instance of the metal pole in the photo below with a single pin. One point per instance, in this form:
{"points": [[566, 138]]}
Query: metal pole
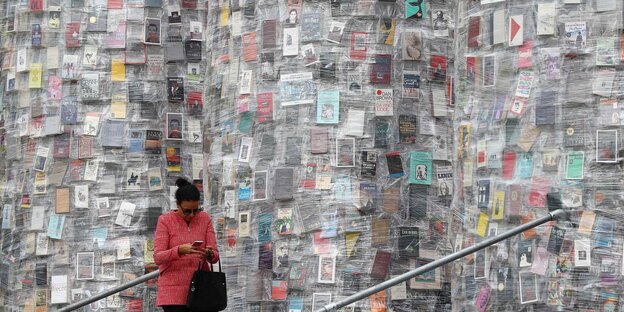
{"points": [[440, 262], [109, 292]]}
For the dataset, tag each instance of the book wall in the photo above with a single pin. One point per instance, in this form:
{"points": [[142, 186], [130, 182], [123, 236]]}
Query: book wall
{"points": [[102, 109], [330, 168], [537, 127]]}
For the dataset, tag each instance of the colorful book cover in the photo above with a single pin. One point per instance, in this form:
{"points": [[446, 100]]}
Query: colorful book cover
{"points": [[328, 107], [381, 71], [264, 112], [72, 35], [420, 168]]}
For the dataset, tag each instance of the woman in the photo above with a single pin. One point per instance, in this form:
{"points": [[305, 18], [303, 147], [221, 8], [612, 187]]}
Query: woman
{"points": [[174, 252]]}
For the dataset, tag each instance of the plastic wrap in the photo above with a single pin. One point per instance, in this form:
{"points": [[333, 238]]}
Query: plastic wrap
{"points": [[336, 144], [536, 127]]}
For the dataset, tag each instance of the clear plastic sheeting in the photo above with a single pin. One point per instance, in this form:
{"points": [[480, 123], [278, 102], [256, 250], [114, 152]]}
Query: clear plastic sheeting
{"points": [[336, 143], [537, 127]]}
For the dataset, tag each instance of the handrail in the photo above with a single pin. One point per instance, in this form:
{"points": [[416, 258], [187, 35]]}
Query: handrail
{"points": [[440, 262], [109, 292], [367, 292]]}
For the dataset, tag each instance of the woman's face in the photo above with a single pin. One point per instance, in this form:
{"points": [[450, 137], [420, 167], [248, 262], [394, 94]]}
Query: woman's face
{"points": [[188, 209], [293, 16]]}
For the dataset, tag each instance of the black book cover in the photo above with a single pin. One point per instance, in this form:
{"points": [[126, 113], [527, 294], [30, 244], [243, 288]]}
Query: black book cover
{"points": [[293, 151], [267, 147], [283, 188], [327, 69], [407, 128], [555, 240], [395, 166], [265, 259], [369, 164], [418, 201], [409, 241], [545, 109], [152, 141], [193, 50], [135, 91], [381, 133], [381, 71], [151, 217], [41, 273], [175, 89], [250, 7], [149, 111]]}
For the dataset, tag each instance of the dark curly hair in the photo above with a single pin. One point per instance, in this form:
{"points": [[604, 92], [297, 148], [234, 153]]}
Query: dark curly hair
{"points": [[186, 191]]}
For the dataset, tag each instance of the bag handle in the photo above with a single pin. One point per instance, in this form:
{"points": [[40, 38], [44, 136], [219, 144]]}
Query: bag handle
{"points": [[200, 266], [211, 267]]}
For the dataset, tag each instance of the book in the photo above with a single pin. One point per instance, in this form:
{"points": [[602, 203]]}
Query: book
{"points": [[420, 168], [411, 45], [408, 241], [72, 34], [381, 69], [283, 187], [381, 264], [328, 107], [310, 27], [384, 102], [90, 86], [407, 128], [336, 30]]}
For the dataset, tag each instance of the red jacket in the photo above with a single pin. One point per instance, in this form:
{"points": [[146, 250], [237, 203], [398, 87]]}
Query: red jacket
{"points": [[176, 271]]}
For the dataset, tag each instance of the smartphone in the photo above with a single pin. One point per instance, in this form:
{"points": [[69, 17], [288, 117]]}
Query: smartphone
{"points": [[197, 243]]}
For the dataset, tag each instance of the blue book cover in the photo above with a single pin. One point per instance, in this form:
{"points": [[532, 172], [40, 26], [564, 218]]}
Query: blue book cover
{"points": [[420, 168], [524, 165], [55, 226], [264, 227], [295, 304], [328, 107]]}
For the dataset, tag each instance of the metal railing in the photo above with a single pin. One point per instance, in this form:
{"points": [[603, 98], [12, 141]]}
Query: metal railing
{"points": [[369, 291], [440, 262], [108, 292]]}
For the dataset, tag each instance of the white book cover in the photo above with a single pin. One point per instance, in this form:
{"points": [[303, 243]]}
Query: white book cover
{"points": [[516, 30], [355, 123], [22, 60], [52, 57], [546, 13], [244, 154], [245, 84], [498, 22], [37, 218], [582, 252], [59, 289], [291, 42], [125, 214], [197, 161], [243, 224], [81, 196], [384, 102], [154, 179]]}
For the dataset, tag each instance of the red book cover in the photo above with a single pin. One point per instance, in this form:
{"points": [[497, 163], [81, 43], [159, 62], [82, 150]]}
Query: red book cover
{"points": [[509, 164], [189, 4], [134, 305], [358, 46], [472, 72], [279, 289], [36, 6], [115, 4], [381, 264], [537, 193], [75, 169], [265, 107], [195, 103], [381, 71], [249, 47], [438, 68], [72, 35], [474, 30], [525, 55]]}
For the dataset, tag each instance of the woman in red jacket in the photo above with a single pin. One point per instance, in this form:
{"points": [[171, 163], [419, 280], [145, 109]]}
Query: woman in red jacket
{"points": [[174, 251]]}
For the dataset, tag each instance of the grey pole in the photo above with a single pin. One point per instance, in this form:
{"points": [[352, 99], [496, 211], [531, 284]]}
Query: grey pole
{"points": [[109, 292], [440, 262]]}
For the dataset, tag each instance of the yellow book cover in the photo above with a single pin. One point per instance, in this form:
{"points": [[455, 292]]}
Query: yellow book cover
{"points": [[225, 16], [482, 225], [118, 70], [118, 106], [498, 206], [35, 77]]}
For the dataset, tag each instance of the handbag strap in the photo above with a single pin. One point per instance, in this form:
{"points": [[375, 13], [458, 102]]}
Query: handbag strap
{"points": [[211, 266]]}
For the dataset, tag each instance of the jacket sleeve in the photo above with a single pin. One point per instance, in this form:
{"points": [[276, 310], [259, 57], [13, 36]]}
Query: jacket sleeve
{"points": [[163, 253], [211, 240]]}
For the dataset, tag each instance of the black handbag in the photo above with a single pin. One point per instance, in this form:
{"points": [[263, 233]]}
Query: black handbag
{"points": [[207, 292]]}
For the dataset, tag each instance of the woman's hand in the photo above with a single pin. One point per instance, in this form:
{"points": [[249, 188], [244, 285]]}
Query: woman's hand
{"points": [[208, 254], [187, 249]]}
